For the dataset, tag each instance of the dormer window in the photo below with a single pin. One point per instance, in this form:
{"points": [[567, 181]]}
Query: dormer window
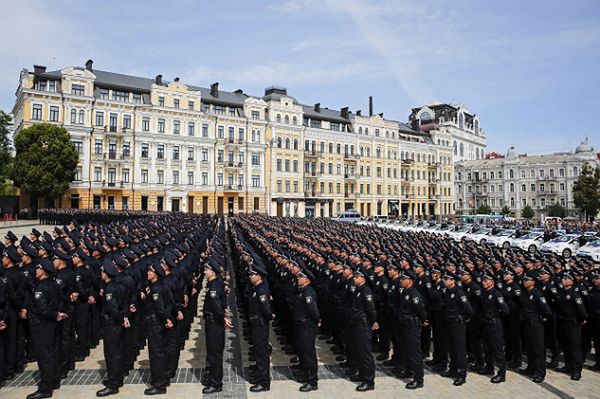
{"points": [[461, 121], [425, 117]]}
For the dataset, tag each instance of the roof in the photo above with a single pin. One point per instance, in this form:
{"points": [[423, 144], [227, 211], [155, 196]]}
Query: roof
{"points": [[324, 114]]}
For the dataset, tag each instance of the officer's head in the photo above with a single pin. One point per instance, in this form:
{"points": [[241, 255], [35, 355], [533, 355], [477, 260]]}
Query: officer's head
{"points": [[528, 281], [568, 280], [209, 273], [359, 277], [449, 281], [393, 272], [596, 279], [407, 279], [302, 279], [487, 281], [255, 277]]}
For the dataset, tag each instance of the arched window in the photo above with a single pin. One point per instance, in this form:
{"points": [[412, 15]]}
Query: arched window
{"points": [[367, 131], [287, 143], [81, 116], [425, 117], [279, 142], [476, 127], [387, 133], [511, 174], [295, 120], [278, 118], [362, 151], [455, 148], [295, 144], [287, 120], [378, 152], [73, 115], [461, 121], [360, 130], [368, 152], [462, 150]]}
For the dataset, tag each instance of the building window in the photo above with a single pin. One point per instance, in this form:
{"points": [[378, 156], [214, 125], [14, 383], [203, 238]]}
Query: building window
{"points": [[125, 175], [176, 103], [204, 130], [176, 127], [190, 178], [204, 178], [219, 110], [97, 174], [78, 146], [160, 151], [145, 150], [175, 177], [220, 132], [160, 176], [255, 115], [255, 159], [190, 156], [99, 118], [98, 147], [53, 114], [278, 118], [161, 125], [255, 181], [137, 98], [120, 96], [161, 101], [204, 154], [219, 179], [145, 124], [73, 116], [78, 174], [176, 153], [191, 129], [315, 123], [77, 90], [144, 175], [191, 105]]}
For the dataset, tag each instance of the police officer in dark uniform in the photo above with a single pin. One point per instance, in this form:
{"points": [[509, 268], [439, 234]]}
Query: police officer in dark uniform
{"points": [[83, 285], [14, 345], [363, 319], [593, 309], [474, 341], [42, 313], [380, 288], [411, 314], [259, 310], [115, 321], [571, 315], [457, 311], [4, 303], [215, 322], [493, 307], [65, 278], [534, 310], [157, 315], [307, 321]]}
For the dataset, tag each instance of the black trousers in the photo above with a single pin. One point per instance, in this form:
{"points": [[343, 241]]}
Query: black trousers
{"points": [[551, 336], [493, 344], [535, 348], [66, 339], [594, 328], [306, 334], [215, 343], [44, 339], [114, 355], [440, 350], [474, 341], [172, 348], [361, 340], [513, 330], [10, 342], [260, 341], [398, 354], [157, 352], [82, 328], [457, 346], [411, 340], [569, 336], [384, 331]]}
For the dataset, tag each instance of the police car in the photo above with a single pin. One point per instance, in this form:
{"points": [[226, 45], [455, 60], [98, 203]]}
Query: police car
{"points": [[480, 236], [503, 239], [591, 251], [530, 242], [565, 245]]}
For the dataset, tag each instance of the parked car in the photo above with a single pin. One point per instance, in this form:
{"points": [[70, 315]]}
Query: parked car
{"points": [[480, 236], [565, 245], [591, 251], [530, 242], [503, 239]]}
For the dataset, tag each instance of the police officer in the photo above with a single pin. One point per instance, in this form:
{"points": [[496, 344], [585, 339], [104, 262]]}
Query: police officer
{"points": [[363, 319], [83, 287], [534, 310], [474, 341], [307, 321], [493, 307], [65, 278], [571, 315], [42, 313], [412, 315], [216, 320], [457, 311], [157, 315], [114, 308], [14, 345], [259, 310], [593, 308], [3, 313]]}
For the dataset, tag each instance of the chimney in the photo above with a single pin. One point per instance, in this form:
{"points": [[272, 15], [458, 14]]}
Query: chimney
{"points": [[158, 80], [239, 92], [359, 112], [176, 79], [37, 69], [318, 107], [370, 105], [345, 113], [89, 64], [214, 89], [381, 115]]}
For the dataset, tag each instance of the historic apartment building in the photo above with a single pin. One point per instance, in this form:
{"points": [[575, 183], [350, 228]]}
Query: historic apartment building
{"points": [[153, 144], [520, 180]]}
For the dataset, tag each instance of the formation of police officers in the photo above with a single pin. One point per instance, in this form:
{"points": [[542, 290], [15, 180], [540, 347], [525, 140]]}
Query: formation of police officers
{"points": [[371, 290], [127, 282], [364, 289]]}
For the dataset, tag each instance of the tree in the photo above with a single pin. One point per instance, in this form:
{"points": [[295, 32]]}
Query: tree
{"points": [[586, 191], [45, 162], [5, 149], [484, 209], [527, 212], [556, 210], [505, 210]]}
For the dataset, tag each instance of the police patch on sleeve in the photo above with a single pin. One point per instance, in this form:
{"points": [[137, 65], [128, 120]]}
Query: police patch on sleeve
{"points": [[38, 294], [308, 299], [78, 278], [369, 298], [58, 281], [416, 300], [213, 294], [463, 299], [500, 299], [578, 301], [542, 300], [263, 298], [109, 297], [155, 296]]}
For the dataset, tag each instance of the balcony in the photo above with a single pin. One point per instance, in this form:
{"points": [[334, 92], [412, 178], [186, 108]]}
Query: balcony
{"points": [[113, 156], [312, 153], [547, 192], [233, 187], [351, 157], [351, 176], [113, 184], [312, 175], [116, 131], [312, 194], [407, 162], [234, 165], [434, 164]]}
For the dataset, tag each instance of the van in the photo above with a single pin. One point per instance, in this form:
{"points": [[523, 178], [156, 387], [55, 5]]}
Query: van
{"points": [[350, 216]]}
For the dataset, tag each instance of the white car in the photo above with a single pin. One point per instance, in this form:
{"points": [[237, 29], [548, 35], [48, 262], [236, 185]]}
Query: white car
{"points": [[503, 239], [480, 236], [461, 233], [530, 242], [591, 251], [565, 245]]}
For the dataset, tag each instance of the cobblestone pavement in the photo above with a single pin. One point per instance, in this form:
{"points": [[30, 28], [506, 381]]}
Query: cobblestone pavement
{"points": [[85, 380]]}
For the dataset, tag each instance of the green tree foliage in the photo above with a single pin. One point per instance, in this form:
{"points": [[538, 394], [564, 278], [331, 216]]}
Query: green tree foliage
{"points": [[586, 191], [527, 212], [484, 210], [556, 210], [5, 149], [45, 161], [505, 210]]}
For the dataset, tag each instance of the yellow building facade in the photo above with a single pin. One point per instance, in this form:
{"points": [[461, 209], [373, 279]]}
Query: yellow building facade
{"points": [[152, 144]]}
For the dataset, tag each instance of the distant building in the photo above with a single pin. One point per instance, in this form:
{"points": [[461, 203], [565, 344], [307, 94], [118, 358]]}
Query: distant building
{"points": [[519, 180]]}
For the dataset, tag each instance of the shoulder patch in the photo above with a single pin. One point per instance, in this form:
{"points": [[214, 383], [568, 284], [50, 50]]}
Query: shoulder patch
{"points": [[542, 299], [463, 299], [517, 292], [578, 301], [568, 297], [415, 300], [263, 298], [109, 297], [500, 299], [352, 288], [369, 298], [38, 294], [478, 292], [155, 296], [406, 297], [78, 278], [308, 299], [452, 296], [58, 281], [385, 286], [213, 294]]}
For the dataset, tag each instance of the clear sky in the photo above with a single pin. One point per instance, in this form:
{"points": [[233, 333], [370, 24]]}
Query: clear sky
{"points": [[529, 69]]}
